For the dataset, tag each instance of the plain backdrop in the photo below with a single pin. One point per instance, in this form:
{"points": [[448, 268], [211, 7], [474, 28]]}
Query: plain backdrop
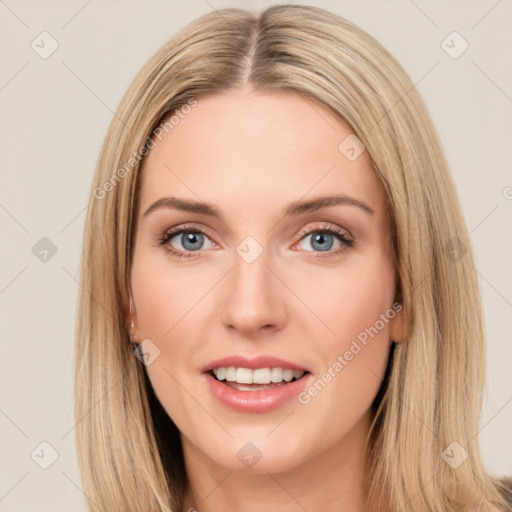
{"points": [[55, 111]]}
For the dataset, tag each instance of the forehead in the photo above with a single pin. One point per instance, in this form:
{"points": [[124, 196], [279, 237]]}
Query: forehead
{"points": [[260, 150]]}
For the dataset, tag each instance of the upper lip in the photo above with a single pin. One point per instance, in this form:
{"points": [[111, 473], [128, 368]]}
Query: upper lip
{"points": [[254, 363]]}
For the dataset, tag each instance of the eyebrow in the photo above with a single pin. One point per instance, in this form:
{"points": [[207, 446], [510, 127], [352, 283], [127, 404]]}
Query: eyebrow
{"points": [[294, 208]]}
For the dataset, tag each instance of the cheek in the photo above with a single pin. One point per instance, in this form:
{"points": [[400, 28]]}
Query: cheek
{"points": [[165, 302], [355, 303], [164, 297], [171, 305], [350, 299]]}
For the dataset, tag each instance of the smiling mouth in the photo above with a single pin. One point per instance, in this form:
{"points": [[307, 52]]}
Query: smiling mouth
{"points": [[246, 379]]}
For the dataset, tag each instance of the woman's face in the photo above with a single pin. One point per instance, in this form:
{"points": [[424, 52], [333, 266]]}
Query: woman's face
{"points": [[264, 279]]}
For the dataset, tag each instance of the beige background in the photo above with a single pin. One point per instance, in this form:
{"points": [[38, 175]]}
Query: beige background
{"points": [[55, 113]]}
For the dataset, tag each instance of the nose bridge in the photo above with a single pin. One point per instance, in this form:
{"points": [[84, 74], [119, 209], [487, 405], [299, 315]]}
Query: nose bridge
{"points": [[252, 298], [251, 276]]}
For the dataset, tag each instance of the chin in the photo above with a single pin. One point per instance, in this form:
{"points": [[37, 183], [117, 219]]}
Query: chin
{"points": [[257, 453]]}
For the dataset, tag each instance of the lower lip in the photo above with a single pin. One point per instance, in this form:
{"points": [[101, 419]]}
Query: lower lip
{"points": [[264, 400]]}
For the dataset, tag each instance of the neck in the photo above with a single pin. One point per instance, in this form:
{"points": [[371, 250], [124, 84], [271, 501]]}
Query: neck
{"points": [[332, 480]]}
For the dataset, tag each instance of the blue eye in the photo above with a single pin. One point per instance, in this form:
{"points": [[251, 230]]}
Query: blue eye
{"points": [[192, 240], [322, 240]]}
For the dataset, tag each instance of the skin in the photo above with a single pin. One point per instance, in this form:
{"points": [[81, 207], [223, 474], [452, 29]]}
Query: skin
{"points": [[251, 154]]}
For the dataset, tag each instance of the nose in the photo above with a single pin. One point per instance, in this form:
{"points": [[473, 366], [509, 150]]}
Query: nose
{"points": [[253, 298]]}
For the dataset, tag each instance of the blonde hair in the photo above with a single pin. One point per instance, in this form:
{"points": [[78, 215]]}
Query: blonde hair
{"points": [[129, 451]]}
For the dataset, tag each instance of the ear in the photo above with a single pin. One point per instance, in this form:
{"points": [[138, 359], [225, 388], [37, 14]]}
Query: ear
{"points": [[398, 325], [131, 321], [397, 330]]}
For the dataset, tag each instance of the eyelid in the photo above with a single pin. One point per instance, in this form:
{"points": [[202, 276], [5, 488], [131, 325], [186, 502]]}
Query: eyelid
{"points": [[185, 227], [324, 226], [321, 225]]}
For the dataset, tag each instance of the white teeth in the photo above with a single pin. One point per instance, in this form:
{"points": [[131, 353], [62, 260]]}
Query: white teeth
{"points": [[258, 376], [276, 375], [261, 376], [243, 376], [231, 374], [288, 375]]}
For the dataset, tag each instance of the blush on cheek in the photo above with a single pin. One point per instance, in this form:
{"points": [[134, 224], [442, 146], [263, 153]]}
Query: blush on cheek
{"points": [[158, 301], [357, 306]]}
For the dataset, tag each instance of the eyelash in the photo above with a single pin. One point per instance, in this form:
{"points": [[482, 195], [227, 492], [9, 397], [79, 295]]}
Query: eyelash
{"points": [[164, 238]]}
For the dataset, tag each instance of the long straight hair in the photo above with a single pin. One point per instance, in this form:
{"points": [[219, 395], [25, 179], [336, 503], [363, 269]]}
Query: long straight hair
{"points": [[129, 450]]}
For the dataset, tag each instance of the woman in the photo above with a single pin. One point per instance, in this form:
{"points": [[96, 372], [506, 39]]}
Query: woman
{"points": [[273, 226]]}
